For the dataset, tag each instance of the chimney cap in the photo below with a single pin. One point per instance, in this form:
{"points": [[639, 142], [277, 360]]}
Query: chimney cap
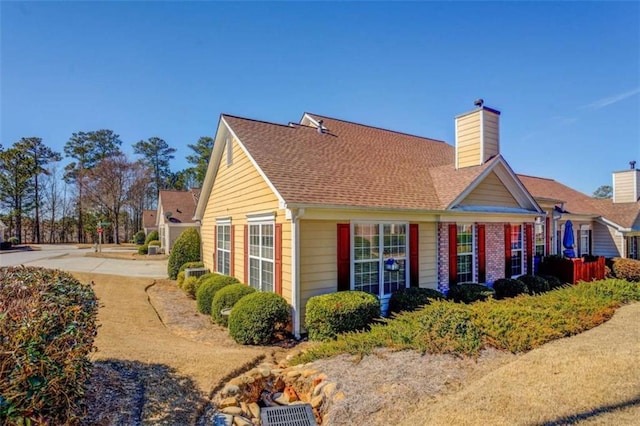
{"points": [[479, 102], [632, 164]]}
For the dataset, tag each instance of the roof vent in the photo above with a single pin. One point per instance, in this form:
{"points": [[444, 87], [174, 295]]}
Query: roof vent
{"points": [[479, 102], [632, 164], [321, 127]]}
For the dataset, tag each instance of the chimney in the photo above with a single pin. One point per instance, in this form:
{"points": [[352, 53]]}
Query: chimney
{"points": [[477, 135], [626, 185]]}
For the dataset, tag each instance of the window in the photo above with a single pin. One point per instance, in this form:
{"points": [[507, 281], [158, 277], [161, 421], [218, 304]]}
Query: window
{"points": [[223, 248], [465, 250], [584, 242], [261, 256], [632, 249], [516, 250], [380, 257], [540, 232]]}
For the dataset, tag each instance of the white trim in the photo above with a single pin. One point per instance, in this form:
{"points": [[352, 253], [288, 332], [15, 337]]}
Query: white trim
{"points": [[295, 271], [229, 146], [261, 217], [223, 221], [457, 147], [482, 159], [260, 258], [474, 257]]}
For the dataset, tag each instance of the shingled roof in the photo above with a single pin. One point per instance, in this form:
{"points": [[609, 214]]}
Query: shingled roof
{"points": [[149, 218], [180, 204], [354, 165]]}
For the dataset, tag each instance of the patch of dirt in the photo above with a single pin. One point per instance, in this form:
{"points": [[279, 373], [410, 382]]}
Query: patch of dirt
{"points": [[126, 255]]}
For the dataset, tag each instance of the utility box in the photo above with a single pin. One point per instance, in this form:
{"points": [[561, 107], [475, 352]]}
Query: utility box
{"points": [[195, 272]]}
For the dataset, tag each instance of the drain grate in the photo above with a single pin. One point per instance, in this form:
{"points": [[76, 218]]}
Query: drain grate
{"points": [[288, 415]]}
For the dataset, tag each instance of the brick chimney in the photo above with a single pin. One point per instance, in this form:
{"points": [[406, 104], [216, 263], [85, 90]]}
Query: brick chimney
{"points": [[626, 185], [477, 136]]}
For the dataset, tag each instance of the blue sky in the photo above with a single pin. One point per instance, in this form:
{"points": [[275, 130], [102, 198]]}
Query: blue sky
{"points": [[566, 76]]}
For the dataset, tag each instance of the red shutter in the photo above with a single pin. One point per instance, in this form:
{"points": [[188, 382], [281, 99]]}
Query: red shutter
{"points": [[278, 259], [215, 247], [547, 235], [482, 256], [507, 250], [528, 235], [233, 247], [414, 255], [344, 256], [453, 253], [246, 254]]}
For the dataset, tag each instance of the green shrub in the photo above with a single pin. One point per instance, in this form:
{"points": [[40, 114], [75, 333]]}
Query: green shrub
{"points": [[155, 243], [186, 249], [13, 240], [180, 279], [535, 284], [209, 286], [331, 314], [626, 269], [47, 329], [258, 318], [226, 298], [190, 285], [509, 287], [412, 298], [469, 292], [138, 237], [554, 282], [143, 249], [191, 265], [152, 236]]}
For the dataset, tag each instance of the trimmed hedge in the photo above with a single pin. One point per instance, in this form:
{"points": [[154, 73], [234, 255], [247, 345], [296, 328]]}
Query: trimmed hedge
{"points": [[47, 329], [554, 282], [186, 249], [509, 287], [153, 236], [412, 298], [209, 286], [138, 237], [626, 269], [154, 243], [190, 285], [226, 298], [535, 284], [258, 318], [331, 314], [469, 292], [143, 249]]}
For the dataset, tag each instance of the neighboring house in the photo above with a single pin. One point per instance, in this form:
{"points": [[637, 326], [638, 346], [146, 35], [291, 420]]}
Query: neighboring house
{"points": [[325, 205], [175, 214], [149, 221], [602, 227]]}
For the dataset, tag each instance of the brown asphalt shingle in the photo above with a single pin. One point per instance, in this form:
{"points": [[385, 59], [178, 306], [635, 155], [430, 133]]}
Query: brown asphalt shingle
{"points": [[352, 164], [181, 204], [149, 218]]}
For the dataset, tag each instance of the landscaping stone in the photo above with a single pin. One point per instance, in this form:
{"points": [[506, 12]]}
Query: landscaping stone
{"points": [[241, 421], [254, 409], [234, 411], [228, 402]]}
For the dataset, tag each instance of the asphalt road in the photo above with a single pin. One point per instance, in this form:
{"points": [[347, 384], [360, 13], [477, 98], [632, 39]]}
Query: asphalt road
{"points": [[70, 258]]}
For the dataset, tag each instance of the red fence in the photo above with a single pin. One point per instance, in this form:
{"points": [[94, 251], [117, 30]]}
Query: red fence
{"points": [[573, 270]]}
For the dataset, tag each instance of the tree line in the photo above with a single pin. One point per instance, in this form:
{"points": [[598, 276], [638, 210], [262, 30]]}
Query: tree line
{"points": [[43, 202]]}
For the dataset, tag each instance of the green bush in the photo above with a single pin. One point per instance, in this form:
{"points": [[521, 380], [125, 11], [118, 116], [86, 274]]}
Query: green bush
{"points": [[152, 236], [258, 318], [13, 240], [143, 249], [191, 265], [180, 279], [209, 286], [535, 284], [469, 292], [138, 237], [226, 298], [190, 285], [509, 287], [186, 249], [626, 269], [554, 282], [412, 298], [331, 314], [154, 243], [47, 329]]}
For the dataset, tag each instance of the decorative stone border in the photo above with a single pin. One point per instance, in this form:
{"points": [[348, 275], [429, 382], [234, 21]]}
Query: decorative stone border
{"points": [[270, 384]]}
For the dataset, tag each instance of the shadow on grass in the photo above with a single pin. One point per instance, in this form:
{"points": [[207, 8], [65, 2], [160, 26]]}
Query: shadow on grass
{"points": [[134, 393], [575, 418]]}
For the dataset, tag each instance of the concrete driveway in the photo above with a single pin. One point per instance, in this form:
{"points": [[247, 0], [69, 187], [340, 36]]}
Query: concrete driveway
{"points": [[70, 258]]}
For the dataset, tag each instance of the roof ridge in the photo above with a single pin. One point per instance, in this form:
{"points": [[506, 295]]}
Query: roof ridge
{"points": [[377, 128], [539, 177], [257, 121]]}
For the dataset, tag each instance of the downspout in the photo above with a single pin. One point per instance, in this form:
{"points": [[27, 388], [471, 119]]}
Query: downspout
{"points": [[295, 269]]}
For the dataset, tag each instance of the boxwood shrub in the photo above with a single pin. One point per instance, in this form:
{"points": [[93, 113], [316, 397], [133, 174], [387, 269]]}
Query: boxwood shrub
{"points": [[190, 285], [186, 249], [626, 269], [331, 314], [509, 287], [535, 284], [152, 236], [554, 282], [154, 243], [143, 249], [138, 237], [207, 289], [47, 329], [412, 298], [258, 318], [469, 292], [226, 298]]}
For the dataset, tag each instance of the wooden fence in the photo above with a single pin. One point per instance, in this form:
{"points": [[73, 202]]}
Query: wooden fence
{"points": [[573, 270]]}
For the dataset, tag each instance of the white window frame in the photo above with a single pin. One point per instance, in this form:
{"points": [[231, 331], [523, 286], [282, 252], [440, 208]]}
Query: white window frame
{"points": [[543, 226], [472, 253], [259, 282], [223, 253], [516, 250], [381, 258], [583, 234]]}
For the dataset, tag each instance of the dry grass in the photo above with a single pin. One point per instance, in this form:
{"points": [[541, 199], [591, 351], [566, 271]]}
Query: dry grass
{"points": [[127, 255]]}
